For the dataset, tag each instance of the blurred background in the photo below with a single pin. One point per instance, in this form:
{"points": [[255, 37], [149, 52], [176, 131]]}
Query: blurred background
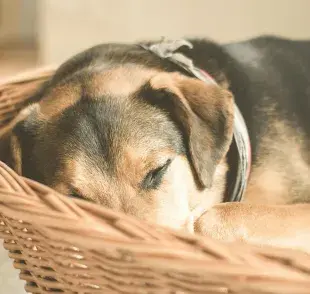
{"points": [[43, 32], [39, 32]]}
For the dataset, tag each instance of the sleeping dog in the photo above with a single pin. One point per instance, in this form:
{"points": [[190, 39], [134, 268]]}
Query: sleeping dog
{"points": [[134, 128]]}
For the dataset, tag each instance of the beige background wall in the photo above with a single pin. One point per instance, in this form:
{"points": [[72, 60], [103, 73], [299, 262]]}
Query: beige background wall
{"points": [[71, 25], [18, 21]]}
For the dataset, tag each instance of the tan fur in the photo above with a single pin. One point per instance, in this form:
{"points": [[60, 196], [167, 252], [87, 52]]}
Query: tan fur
{"points": [[136, 161], [272, 225], [119, 81], [10, 149], [59, 99], [16, 154], [282, 175]]}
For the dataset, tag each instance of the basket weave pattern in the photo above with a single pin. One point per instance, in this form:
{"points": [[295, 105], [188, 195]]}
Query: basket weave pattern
{"points": [[63, 245]]}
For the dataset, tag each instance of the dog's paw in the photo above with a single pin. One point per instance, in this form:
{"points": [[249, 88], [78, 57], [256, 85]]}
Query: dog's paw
{"points": [[272, 225], [223, 222]]}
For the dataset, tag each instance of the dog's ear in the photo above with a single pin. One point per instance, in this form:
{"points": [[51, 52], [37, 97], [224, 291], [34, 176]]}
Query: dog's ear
{"points": [[10, 140], [10, 151], [204, 112]]}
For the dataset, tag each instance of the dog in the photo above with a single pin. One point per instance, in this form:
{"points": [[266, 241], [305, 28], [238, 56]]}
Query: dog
{"points": [[130, 130]]}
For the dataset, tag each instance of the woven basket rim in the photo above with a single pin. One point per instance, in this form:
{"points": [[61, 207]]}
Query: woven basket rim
{"points": [[25, 76]]}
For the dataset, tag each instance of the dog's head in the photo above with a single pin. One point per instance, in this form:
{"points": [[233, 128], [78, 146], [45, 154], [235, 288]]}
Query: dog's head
{"points": [[129, 135]]}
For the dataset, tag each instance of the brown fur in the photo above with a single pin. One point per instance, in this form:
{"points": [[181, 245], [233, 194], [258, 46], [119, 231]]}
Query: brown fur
{"points": [[209, 103], [93, 86], [282, 174]]}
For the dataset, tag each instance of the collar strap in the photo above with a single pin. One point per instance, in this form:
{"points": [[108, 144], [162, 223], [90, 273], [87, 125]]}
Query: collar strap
{"points": [[168, 50]]}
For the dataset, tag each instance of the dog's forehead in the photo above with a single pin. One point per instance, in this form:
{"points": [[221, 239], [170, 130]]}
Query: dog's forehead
{"points": [[106, 126], [93, 84], [118, 81]]}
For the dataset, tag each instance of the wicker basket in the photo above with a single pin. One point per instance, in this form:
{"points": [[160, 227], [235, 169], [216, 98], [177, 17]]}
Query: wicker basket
{"points": [[63, 245]]}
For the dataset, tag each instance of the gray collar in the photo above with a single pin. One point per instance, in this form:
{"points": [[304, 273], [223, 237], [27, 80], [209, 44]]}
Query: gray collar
{"points": [[168, 50]]}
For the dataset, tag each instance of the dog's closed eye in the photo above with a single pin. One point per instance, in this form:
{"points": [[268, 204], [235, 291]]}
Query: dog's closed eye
{"points": [[154, 178]]}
